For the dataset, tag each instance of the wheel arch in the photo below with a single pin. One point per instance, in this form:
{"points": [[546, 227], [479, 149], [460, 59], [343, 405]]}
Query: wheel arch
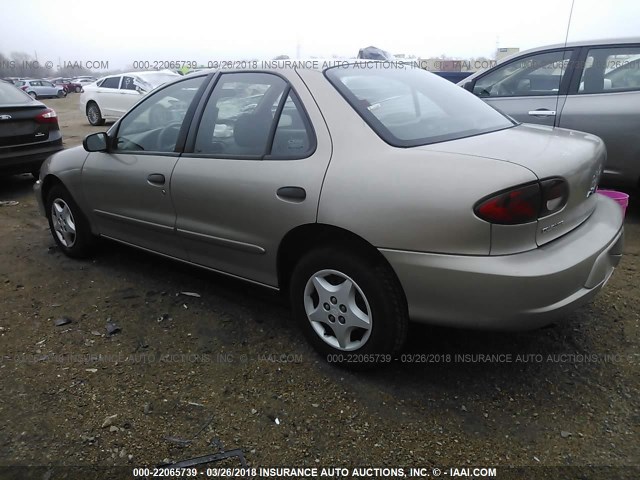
{"points": [[48, 182], [51, 180], [302, 239]]}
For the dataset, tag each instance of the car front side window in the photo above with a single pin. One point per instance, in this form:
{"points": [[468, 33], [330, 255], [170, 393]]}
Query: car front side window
{"points": [[154, 124], [535, 75]]}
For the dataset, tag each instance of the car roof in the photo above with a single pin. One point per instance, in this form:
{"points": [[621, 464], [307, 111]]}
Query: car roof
{"points": [[140, 74], [314, 64]]}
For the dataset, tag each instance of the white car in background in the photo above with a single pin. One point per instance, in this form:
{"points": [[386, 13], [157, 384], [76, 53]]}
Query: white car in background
{"points": [[111, 97], [84, 80]]}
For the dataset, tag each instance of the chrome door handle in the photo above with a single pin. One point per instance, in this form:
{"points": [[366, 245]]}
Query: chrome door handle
{"points": [[542, 113]]}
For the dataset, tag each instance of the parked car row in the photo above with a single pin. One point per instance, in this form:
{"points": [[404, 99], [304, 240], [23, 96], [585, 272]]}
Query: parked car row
{"points": [[369, 196], [41, 89], [69, 85]]}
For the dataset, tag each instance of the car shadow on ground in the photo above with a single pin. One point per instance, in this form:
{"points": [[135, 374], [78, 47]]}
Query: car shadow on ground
{"points": [[435, 361]]}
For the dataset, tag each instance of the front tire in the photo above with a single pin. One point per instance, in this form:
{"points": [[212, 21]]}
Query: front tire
{"points": [[69, 227], [62, 94], [78, 89], [94, 115], [350, 307]]}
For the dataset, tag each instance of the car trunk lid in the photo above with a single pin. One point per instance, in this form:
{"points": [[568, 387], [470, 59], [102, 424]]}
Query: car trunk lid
{"points": [[548, 152], [18, 125]]}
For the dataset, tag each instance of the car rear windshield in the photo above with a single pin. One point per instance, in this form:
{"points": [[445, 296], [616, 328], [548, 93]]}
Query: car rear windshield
{"points": [[157, 79], [408, 106], [10, 95]]}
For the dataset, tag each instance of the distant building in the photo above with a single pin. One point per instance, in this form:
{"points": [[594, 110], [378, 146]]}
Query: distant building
{"points": [[505, 52]]}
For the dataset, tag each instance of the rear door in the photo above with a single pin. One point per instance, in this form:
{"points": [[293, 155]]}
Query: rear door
{"points": [[254, 172], [605, 100], [530, 88], [129, 187]]}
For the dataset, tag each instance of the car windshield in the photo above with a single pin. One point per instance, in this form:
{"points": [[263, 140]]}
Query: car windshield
{"points": [[10, 95], [408, 107]]}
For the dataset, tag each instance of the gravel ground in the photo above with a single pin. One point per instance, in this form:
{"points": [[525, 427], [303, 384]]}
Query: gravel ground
{"points": [[229, 367]]}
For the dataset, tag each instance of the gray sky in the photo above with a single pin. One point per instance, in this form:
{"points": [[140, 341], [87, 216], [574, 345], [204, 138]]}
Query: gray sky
{"points": [[121, 32]]}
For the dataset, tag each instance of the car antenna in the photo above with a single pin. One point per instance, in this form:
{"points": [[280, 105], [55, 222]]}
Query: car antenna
{"points": [[566, 41]]}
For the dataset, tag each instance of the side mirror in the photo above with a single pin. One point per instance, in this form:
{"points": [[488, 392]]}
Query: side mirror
{"points": [[468, 86], [96, 142]]}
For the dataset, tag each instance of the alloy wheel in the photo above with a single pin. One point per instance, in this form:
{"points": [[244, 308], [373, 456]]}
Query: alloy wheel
{"points": [[64, 224]]}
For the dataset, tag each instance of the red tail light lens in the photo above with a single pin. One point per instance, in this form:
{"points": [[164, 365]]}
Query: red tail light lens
{"points": [[525, 203], [47, 116]]}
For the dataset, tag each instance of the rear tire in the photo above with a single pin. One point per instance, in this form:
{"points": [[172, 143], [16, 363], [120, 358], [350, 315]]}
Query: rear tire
{"points": [[62, 94], [94, 115], [33, 95], [69, 227], [78, 89], [350, 307]]}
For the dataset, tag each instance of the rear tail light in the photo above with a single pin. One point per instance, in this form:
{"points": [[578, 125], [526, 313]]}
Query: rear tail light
{"points": [[24, 87], [555, 193], [525, 203], [47, 116]]}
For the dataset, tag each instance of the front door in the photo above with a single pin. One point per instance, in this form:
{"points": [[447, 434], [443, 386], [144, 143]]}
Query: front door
{"points": [[129, 187], [529, 89]]}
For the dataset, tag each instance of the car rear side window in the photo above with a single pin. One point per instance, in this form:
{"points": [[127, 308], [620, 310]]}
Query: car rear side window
{"points": [[608, 70], [293, 136], [407, 107]]}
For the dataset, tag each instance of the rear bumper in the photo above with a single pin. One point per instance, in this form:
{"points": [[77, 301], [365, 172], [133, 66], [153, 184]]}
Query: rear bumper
{"points": [[27, 158], [513, 292]]}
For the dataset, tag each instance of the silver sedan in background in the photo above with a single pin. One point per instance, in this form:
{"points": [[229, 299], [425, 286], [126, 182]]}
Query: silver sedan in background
{"points": [[370, 195], [592, 86]]}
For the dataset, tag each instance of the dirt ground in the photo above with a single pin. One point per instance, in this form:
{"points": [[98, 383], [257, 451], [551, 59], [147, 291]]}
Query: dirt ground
{"points": [[187, 374]]}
